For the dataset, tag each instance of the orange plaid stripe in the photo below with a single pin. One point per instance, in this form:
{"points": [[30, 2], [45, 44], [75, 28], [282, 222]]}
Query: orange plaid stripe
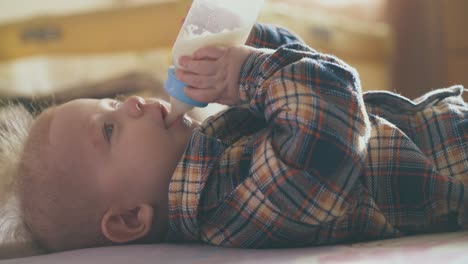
{"points": [[309, 160]]}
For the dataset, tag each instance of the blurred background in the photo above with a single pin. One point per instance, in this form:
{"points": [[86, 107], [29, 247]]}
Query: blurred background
{"points": [[65, 49]]}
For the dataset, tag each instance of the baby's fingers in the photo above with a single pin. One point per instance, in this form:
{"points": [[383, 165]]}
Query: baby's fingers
{"points": [[194, 80], [203, 67], [209, 53], [208, 95]]}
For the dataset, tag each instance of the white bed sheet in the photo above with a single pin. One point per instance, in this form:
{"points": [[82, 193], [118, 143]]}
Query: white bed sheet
{"points": [[439, 248]]}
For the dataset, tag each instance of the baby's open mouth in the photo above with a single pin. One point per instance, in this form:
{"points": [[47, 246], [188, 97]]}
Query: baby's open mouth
{"points": [[164, 111]]}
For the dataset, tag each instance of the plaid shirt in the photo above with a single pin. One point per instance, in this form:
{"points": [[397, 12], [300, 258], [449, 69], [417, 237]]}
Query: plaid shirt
{"points": [[310, 160]]}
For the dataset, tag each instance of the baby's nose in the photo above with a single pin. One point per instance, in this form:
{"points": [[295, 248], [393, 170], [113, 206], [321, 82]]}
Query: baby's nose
{"points": [[133, 106]]}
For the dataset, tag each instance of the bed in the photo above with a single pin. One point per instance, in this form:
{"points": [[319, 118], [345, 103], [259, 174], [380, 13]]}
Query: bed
{"points": [[436, 248]]}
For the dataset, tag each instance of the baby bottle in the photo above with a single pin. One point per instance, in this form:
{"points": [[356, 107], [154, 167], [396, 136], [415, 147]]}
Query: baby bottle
{"points": [[208, 22]]}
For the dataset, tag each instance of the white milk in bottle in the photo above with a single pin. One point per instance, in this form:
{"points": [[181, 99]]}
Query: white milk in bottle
{"points": [[189, 42], [208, 22]]}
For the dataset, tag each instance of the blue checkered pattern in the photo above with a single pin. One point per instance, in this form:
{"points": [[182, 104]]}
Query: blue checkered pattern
{"points": [[308, 159]]}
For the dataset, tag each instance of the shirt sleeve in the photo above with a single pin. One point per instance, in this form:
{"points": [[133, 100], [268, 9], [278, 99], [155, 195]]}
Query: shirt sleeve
{"points": [[315, 147], [271, 36]]}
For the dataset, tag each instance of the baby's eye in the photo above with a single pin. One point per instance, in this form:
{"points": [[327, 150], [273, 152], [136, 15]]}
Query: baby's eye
{"points": [[107, 131]]}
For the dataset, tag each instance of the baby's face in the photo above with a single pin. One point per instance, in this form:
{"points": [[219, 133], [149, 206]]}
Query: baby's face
{"points": [[123, 148]]}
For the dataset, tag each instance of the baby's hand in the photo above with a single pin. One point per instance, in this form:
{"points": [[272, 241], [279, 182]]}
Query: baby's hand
{"points": [[212, 73]]}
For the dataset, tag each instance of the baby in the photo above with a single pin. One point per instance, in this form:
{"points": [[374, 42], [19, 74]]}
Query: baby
{"points": [[298, 159]]}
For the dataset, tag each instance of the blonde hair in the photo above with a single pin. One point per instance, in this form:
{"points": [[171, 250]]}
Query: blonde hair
{"points": [[58, 211], [15, 239]]}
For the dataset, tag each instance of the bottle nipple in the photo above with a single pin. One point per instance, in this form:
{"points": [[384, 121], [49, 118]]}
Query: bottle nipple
{"points": [[178, 109], [180, 103]]}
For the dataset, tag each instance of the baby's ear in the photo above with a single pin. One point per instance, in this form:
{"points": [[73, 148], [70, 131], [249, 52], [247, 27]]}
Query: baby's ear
{"points": [[127, 225]]}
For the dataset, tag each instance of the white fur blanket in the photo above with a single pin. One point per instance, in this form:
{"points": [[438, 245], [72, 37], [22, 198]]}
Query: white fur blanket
{"points": [[15, 240]]}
